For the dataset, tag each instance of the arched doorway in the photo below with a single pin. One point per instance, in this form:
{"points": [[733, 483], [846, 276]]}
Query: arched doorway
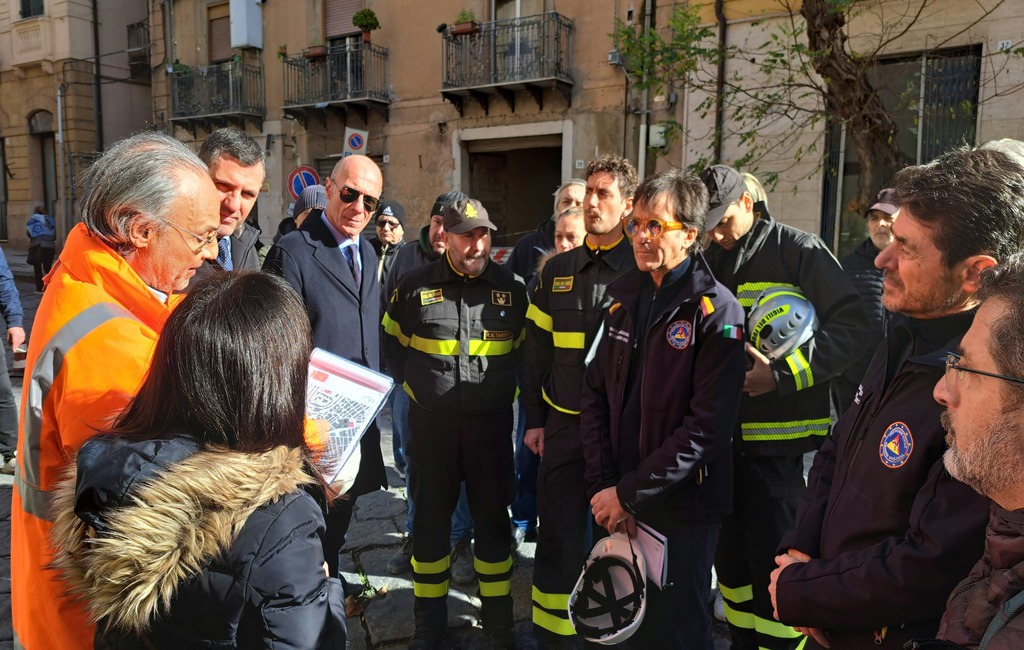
{"points": [[42, 159]]}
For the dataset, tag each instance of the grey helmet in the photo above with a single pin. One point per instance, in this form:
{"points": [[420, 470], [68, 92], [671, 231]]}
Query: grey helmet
{"points": [[781, 320]]}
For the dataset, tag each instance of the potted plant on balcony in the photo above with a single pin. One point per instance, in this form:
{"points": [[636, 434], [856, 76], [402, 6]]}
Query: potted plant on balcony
{"points": [[465, 23], [366, 21]]}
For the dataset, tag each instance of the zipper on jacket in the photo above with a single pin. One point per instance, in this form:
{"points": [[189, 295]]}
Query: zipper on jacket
{"points": [[880, 635]]}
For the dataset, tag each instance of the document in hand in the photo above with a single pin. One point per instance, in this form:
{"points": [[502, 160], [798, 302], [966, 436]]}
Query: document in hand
{"points": [[655, 548], [347, 396]]}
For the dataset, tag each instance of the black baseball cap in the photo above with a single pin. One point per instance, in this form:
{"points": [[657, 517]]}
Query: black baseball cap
{"points": [[444, 200], [725, 185]]}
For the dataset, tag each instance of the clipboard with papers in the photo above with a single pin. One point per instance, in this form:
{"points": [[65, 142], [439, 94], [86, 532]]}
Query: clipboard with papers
{"points": [[654, 546]]}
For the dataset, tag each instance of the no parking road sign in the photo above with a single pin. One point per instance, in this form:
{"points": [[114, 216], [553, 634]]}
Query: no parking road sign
{"points": [[301, 178], [355, 141]]}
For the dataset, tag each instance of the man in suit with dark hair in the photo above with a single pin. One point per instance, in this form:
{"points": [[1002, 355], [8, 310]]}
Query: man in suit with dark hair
{"points": [[332, 267]]}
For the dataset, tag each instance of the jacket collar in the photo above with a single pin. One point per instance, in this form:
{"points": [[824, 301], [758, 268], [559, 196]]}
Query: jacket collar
{"points": [[89, 260], [325, 252], [627, 288], [618, 257], [425, 246]]}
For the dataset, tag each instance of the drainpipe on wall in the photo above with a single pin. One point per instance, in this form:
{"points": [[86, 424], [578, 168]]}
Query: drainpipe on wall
{"points": [[97, 89], [720, 83], [641, 157]]}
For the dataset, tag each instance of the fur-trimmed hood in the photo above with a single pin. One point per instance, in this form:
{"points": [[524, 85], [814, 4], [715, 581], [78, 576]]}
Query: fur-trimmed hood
{"points": [[135, 519]]}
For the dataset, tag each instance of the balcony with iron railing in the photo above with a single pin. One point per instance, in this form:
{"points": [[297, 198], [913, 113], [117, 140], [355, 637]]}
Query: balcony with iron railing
{"points": [[343, 77], [498, 58], [214, 95]]}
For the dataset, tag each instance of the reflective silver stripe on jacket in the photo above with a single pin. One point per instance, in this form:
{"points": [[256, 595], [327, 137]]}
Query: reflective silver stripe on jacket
{"points": [[34, 500]]}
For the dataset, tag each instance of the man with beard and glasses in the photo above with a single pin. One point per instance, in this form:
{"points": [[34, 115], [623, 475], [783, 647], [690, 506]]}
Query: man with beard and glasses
{"points": [[982, 391], [883, 531]]}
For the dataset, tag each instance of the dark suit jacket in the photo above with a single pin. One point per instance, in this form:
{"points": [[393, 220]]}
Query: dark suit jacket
{"points": [[345, 322], [243, 254]]}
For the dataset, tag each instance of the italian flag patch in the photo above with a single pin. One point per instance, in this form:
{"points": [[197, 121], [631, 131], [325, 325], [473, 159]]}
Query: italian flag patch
{"points": [[733, 332]]}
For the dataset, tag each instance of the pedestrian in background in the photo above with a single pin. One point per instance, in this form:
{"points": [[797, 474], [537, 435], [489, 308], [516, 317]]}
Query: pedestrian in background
{"points": [[42, 239], [197, 519], [10, 307]]}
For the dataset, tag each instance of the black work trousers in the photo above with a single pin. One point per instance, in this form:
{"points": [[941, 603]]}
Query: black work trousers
{"points": [[444, 450]]}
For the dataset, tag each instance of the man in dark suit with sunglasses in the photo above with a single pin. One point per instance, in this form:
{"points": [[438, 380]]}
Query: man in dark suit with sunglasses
{"points": [[333, 268]]}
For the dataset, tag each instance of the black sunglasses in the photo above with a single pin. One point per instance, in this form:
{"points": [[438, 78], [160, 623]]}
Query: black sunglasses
{"points": [[348, 195]]}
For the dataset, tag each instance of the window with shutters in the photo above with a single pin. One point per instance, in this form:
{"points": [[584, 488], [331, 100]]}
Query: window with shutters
{"points": [[220, 34], [30, 8], [338, 17]]}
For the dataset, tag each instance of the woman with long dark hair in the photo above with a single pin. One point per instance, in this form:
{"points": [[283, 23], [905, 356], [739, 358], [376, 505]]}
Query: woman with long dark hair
{"points": [[197, 519]]}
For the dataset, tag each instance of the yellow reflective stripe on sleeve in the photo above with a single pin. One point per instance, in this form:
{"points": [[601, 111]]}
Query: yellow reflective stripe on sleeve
{"points": [[449, 348], [480, 348], [539, 318], [544, 394], [569, 340], [559, 602], [495, 589], [801, 370], [764, 431], [737, 595], [392, 328], [492, 568], [748, 292], [428, 568], [552, 623], [430, 590], [774, 629]]}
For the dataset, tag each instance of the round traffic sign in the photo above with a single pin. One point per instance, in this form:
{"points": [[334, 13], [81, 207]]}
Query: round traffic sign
{"points": [[301, 178], [355, 141]]}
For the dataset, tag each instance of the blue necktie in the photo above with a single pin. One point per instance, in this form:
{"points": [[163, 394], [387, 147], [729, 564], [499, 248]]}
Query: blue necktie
{"points": [[224, 254], [352, 265]]}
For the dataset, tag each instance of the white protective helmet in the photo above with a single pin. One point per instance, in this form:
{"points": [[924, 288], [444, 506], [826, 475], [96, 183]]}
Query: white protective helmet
{"points": [[781, 320], [608, 602]]}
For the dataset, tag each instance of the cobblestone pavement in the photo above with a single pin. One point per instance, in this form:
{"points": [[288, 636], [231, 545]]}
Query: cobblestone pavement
{"points": [[378, 525]]}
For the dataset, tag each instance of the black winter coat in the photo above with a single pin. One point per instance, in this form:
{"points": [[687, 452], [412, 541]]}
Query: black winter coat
{"points": [[691, 378], [889, 530], [175, 547], [859, 267], [527, 252]]}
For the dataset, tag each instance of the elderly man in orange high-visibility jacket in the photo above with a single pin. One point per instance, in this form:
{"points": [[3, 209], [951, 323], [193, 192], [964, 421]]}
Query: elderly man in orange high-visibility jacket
{"points": [[150, 215]]}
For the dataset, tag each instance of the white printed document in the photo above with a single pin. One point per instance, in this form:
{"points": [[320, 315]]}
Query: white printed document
{"points": [[655, 548], [347, 396]]}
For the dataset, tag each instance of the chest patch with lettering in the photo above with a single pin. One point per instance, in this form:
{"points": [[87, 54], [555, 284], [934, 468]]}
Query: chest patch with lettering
{"points": [[897, 445], [561, 285], [502, 335], [431, 297], [502, 298], [678, 334]]}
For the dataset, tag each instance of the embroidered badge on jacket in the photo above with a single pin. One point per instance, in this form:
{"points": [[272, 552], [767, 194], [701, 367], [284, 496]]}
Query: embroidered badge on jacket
{"points": [[897, 445], [431, 297], [501, 298], [561, 285], [678, 334]]}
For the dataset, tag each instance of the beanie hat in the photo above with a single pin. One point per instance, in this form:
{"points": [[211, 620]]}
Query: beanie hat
{"points": [[314, 196], [392, 209]]}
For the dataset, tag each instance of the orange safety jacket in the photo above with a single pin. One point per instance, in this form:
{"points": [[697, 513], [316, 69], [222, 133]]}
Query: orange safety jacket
{"points": [[92, 340]]}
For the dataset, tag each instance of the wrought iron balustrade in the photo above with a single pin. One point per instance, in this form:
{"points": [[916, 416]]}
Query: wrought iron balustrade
{"points": [[218, 90], [346, 73]]}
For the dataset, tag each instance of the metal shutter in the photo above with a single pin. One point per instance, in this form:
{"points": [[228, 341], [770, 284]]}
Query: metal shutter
{"points": [[220, 39], [338, 17]]}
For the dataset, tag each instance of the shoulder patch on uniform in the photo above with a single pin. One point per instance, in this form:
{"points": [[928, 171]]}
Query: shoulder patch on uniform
{"points": [[733, 332], [503, 335], [678, 334], [501, 298], [430, 297], [706, 306], [562, 284], [897, 445]]}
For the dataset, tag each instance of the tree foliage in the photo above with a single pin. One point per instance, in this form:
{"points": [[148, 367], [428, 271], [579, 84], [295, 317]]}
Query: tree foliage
{"points": [[794, 74]]}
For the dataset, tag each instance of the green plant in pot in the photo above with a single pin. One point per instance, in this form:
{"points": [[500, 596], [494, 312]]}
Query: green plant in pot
{"points": [[465, 23], [366, 21]]}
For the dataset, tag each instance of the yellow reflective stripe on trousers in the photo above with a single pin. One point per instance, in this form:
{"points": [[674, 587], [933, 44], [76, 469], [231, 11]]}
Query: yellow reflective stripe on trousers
{"points": [[392, 328], [767, 431], [569, 340], [492, 588], [558, 624], [430, 589], [48, 364], [744, 620], [737, 595], [558, 408], [492, 568], [774, 628], [445, 348], [496, 588], [801, 370], [558, 602], [539, 318], [427, 568], [748, 292]]}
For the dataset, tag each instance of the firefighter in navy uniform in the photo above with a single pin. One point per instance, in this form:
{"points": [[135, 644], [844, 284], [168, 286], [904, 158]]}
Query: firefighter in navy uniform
{"points": [[785, 410], [453, 333], [561, 324]]}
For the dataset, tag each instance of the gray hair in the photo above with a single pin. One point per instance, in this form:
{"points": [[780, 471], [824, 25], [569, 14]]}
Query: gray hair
{"points": [[571, 211], [139, 177], [234, 142], [564, 186]]}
